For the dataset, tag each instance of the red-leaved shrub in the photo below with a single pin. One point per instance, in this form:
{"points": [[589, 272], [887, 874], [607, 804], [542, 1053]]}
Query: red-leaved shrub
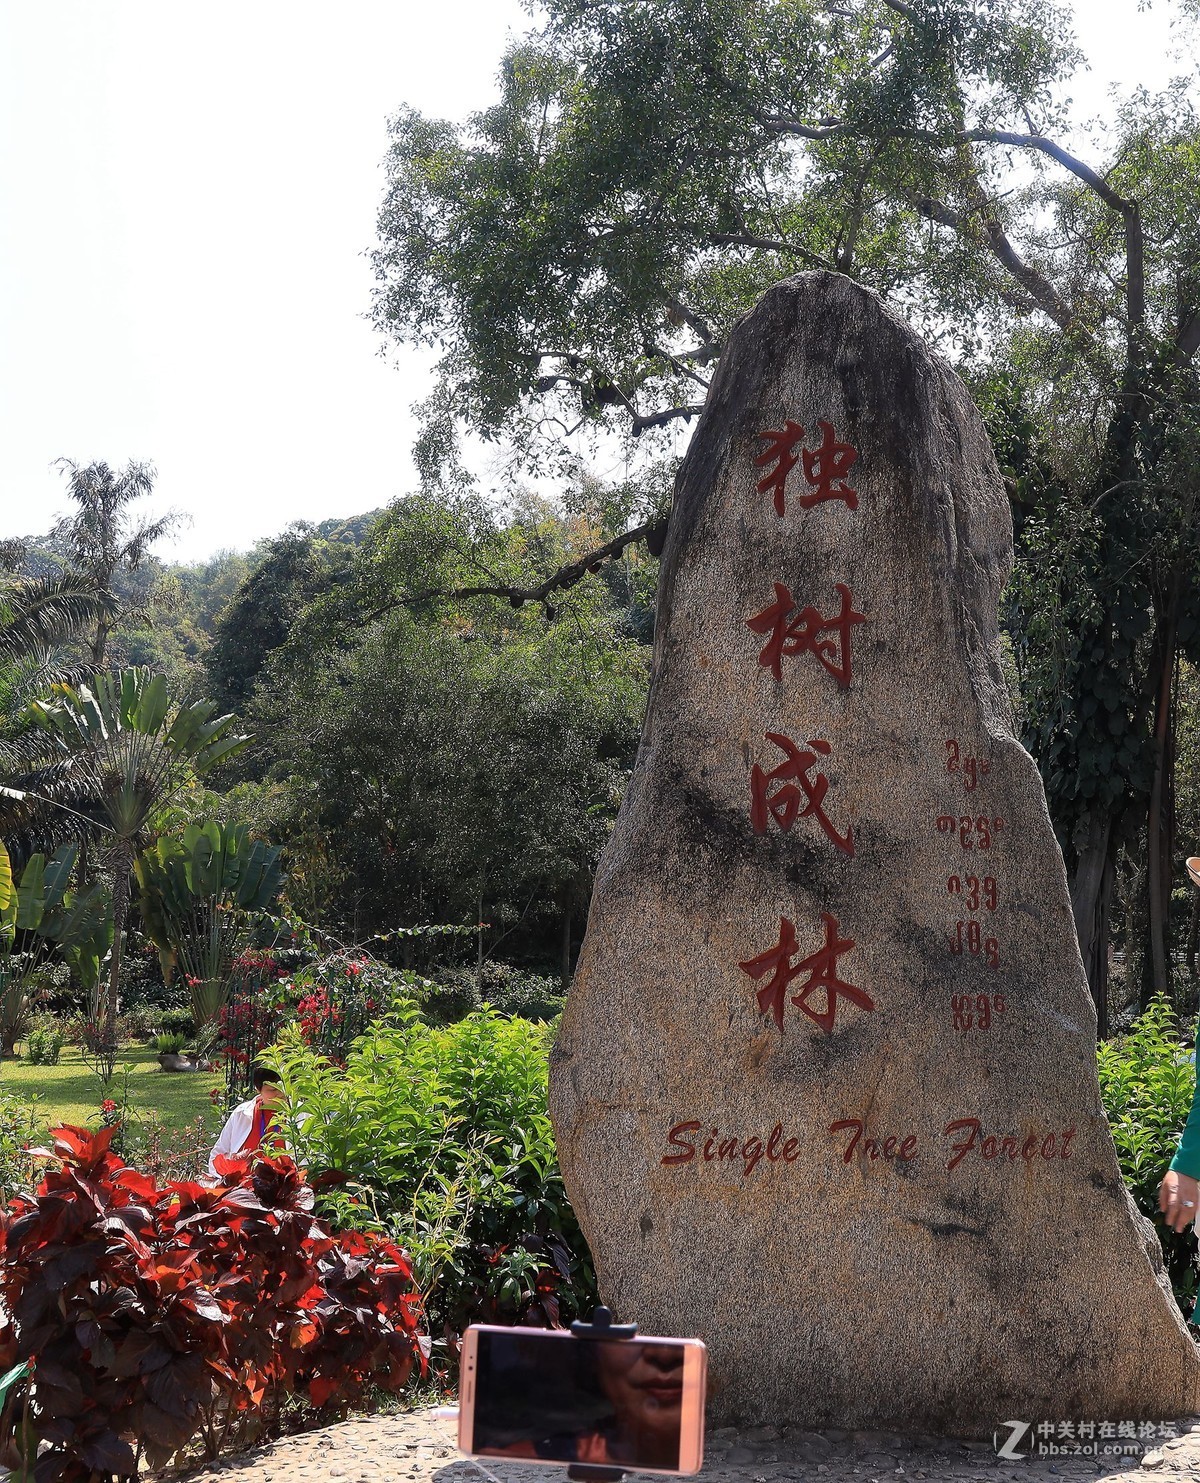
{"points": [[151, 1315]]}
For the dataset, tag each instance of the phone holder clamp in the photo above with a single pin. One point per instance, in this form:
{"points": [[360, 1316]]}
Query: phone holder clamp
{"points": [[602, 1327], [600, 1330]]}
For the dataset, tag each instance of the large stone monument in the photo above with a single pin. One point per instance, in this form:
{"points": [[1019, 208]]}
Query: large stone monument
{"points": [[825, 1090]]}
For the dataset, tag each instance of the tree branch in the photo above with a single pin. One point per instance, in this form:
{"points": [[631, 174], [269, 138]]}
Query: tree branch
{"points": [[695, 322], [680, 366], [1187, 340], [831, 128], [1056, 152], [1040, 289], [654, 533], [660, 419], [610, 394], [768, 244], [826, 129], [548, 383]]}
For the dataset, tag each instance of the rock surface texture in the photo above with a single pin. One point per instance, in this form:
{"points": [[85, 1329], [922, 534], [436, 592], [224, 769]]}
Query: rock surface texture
{"points": [[825, 1090]]}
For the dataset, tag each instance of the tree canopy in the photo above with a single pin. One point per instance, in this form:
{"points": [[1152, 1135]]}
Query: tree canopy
{"points": [[453, 759]]}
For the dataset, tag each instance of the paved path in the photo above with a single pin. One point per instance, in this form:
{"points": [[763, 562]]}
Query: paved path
{"points": [[419, 1446]]}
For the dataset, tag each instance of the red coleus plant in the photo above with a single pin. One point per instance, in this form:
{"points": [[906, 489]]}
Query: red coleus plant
{"points": [[152, 1314]]}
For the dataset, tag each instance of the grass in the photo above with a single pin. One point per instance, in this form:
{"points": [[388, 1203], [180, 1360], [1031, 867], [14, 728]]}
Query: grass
{"points": [[71, 1092]]}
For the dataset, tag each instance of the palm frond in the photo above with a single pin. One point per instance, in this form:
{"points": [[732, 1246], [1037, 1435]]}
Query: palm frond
{"points": [[38, 614]]}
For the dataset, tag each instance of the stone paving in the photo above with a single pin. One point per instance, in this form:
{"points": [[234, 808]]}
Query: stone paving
{"points": [[420, 1445]]}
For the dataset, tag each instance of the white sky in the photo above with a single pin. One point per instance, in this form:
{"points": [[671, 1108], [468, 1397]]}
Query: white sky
{"points": [[186, 194]]}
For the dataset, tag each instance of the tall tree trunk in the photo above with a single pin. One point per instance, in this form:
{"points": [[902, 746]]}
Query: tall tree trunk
{"points": [[100, 642], [122, 865], [1091, 901], [1138, 978], [565, 941], [1158, 832], [479, 941]]}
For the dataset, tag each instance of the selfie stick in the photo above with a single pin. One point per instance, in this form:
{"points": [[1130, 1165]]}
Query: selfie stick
{"points": [[601, 1330]]}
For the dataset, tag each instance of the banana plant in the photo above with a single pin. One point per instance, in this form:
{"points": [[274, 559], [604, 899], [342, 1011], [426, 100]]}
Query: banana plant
{"points": [[38, 913], [198, 894]]}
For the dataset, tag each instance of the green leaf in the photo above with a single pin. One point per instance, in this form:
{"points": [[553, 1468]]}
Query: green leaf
{"points": [[8, 892], [31, 894]]}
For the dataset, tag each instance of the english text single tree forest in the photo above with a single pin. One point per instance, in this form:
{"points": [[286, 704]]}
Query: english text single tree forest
{"points": [[580, 250]]}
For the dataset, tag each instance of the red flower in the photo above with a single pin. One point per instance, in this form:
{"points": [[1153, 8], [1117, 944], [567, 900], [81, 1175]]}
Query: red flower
{"points": [[108, 1105]]}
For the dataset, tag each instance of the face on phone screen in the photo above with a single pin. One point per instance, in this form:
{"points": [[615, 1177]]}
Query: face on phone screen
{"points": [[579, 1401]]}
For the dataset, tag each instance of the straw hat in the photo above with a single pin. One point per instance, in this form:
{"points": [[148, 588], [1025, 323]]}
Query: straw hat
{"points": [[1194, 869]]}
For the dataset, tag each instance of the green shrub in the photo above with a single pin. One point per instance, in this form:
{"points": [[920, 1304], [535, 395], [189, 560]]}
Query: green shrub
{"points": [[440, 1137], [1147, 1081], [142, 1023], [43, 1045], [19, 1118], [177, 1022], [170, 1045], [455, 992], [142, 984]]}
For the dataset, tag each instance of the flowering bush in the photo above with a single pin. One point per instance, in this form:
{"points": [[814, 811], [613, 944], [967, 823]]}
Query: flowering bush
{"points": [[152, 1315], [251, 1018], [332, 1001], [341, 996]]}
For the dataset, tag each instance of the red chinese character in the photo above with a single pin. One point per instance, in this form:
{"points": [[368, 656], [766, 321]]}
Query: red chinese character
{"points": [[783, 805], [803, 633], [781, 448], [821, 968], [824, 467], [830, 462]]}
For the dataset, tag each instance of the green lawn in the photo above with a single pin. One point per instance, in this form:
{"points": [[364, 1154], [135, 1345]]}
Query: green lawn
{"points": [[71, 1093]]}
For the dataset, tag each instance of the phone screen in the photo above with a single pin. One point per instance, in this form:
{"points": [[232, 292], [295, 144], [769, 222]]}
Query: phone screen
{"points": [[578, 1400]]}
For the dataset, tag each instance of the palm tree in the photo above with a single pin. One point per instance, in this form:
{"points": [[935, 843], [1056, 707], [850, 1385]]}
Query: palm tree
{"points": [[115, 753], [100, 536]]}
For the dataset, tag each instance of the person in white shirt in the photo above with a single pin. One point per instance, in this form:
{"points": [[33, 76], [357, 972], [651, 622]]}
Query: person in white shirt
{"points": [[251, 1123]]}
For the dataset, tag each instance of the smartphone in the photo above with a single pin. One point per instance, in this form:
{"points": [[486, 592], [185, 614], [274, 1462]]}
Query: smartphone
{"points": [[542, 1395]]}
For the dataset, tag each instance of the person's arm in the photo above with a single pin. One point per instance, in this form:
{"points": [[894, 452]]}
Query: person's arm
{"points": [[1179, 1195], [233, 1135]]}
